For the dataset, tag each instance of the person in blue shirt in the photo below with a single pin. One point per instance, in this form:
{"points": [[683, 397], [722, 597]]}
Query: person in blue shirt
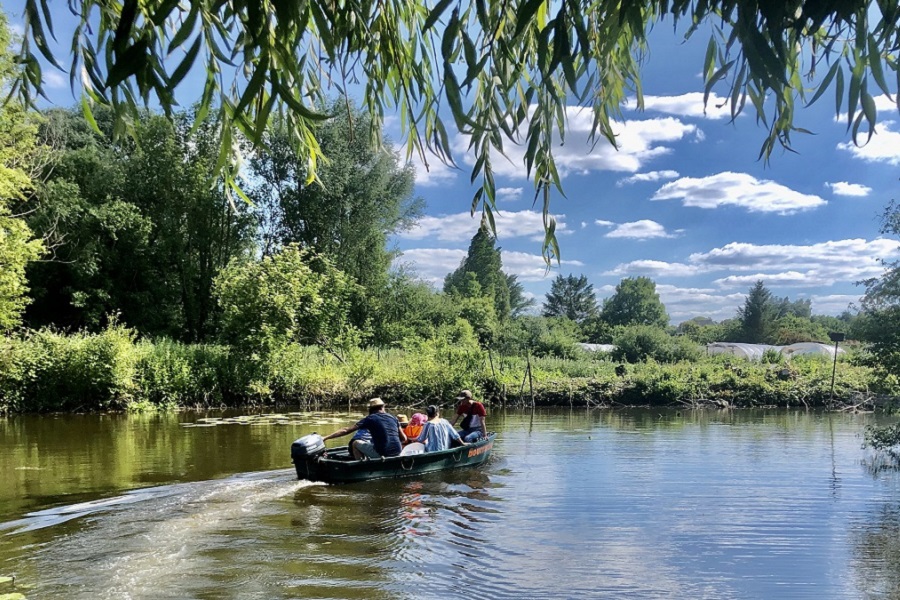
{"points": [[387, 436], [437, 433], [361, 435]]}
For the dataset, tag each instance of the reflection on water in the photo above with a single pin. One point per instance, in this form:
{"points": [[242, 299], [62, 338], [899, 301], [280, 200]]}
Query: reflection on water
{"points": [[573, 504]]}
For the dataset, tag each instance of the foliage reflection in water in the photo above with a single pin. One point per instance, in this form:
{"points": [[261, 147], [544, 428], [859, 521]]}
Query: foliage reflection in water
{"points": [[596, 504]]}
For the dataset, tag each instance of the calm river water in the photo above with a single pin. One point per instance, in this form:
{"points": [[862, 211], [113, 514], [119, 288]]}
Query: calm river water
{"points": [[573, 504]]}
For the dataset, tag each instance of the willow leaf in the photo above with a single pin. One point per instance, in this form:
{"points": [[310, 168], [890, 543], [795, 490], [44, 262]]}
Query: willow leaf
{"points": [[435, 14], [187, 62], [525, 14]]}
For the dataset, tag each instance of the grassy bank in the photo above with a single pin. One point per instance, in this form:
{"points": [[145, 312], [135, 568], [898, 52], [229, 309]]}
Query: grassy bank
{"points": [[47, 371]]}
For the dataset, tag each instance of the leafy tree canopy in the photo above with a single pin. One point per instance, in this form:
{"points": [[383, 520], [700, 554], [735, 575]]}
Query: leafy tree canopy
{"points": [[879, 322], [19, 149], [293, 296], [635, 302], [505, 70], [365, 196], [134, 229]]}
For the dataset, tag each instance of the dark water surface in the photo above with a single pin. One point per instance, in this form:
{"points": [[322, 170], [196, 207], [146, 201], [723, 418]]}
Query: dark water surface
{"points": [[625, 504]]}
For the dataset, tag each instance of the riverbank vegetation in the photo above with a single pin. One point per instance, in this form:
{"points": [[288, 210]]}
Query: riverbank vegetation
{"points": [[115, 370], [133, 277]]}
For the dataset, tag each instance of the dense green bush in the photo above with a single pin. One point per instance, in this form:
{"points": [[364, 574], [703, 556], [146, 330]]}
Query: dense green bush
{"points": [[640, 342]]}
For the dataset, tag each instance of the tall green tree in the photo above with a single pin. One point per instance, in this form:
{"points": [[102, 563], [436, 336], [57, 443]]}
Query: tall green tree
{"points": [[635, 302], [482, 266], [758, 315], [505, 70], [571, 297], [18, 153], [135, 228], [196, 230], [365, 196], [878, 323]]}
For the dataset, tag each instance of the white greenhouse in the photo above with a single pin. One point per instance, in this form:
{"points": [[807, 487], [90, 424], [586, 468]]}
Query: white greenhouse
{"points": [[756, 351]]}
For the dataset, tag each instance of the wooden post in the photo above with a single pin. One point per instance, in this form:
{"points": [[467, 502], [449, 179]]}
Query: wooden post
{"points": [[530, 382], [491, 360]]}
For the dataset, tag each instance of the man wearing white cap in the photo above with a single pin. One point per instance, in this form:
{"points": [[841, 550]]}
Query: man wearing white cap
{"points": [[387, 436]]}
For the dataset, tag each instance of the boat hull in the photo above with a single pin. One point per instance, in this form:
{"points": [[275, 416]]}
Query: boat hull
{"points": [[336, 466]]}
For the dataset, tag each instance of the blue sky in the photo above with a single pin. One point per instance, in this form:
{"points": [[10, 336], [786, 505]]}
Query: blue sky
{"points": [[683, 200]]}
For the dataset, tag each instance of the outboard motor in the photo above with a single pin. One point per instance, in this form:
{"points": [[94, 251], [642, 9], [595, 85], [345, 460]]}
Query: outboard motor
{"points": [[304, 452]]}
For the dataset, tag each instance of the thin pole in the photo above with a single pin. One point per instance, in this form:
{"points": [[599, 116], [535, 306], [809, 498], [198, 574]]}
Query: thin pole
{"points": [[833, 371]]}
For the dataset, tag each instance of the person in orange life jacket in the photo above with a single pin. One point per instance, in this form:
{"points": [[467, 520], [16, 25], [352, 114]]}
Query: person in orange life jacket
{"points": [[387, 436], [416, 422], [473, 424]]}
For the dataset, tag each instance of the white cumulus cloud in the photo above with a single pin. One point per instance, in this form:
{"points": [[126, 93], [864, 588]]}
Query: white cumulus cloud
{"points": [[639, 142], [740, 190], [530, 267], [649, 176], [508, 194], [843, 188], [686, 105], [642, 230], [682, 303], [883, 147], [432, 264]]}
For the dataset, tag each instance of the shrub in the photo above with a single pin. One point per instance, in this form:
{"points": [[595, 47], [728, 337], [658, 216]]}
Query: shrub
{"points": [[640, 342]]}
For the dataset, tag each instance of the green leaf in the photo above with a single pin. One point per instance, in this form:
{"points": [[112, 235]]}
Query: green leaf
{"points": [[853, 97], [255, 84], [186, 28], [126, 22], [454, 97], [89, 114], [839, 91], [875, 65], [449, 36], [435, 14], [826, 81], [709, 62], [128, 63], [525, 15], [714, 79], [185, 65], [869, 110], [490, 218], [163, 11], [33, 20], [295, 105]]}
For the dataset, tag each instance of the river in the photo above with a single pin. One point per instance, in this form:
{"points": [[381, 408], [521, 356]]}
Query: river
{"points": [[573, 504]]}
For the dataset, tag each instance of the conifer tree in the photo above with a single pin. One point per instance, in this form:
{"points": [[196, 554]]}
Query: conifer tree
{"points": [[758, 315], [483, 261], [571, 297]]}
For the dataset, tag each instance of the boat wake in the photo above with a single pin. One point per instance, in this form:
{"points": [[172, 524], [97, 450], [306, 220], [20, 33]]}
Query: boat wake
{"points": [[145, 540]]}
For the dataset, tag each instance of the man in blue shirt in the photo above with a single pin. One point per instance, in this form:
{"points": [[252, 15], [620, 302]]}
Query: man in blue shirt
{"points": [[387, 436]]}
